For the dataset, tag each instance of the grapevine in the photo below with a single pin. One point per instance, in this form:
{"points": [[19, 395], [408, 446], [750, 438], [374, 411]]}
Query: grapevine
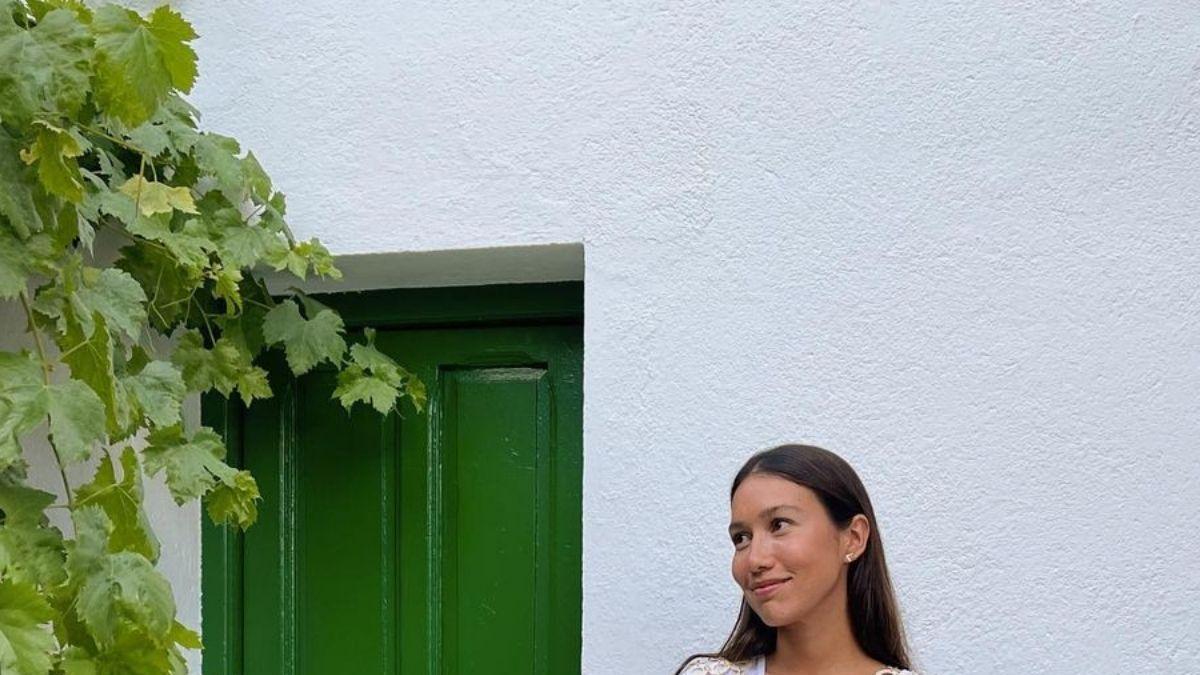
{"points": [[134, 244]]}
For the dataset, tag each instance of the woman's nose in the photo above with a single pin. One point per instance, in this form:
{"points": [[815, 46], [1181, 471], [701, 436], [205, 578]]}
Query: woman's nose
{"points": [[760, 554]]}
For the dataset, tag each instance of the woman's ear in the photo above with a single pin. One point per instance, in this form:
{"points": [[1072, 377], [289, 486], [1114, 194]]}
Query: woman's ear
{"points": [[855, 537]]}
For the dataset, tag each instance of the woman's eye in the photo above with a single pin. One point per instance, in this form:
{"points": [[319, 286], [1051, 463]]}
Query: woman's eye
{"points": [[739, 539], [778, 523]]}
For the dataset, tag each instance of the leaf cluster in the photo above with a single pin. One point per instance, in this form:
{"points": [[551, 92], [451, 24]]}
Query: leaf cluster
{"points": [[97, 143]]}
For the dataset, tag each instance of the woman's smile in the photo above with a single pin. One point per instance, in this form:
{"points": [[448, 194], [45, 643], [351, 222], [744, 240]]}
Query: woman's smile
{"points": [[768, 587]]}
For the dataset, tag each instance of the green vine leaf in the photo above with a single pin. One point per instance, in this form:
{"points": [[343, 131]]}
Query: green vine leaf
{"points": [[217, 156], [117, 296], [55, 151], [21, 404], [158, 389], [30, 549], [300, 257], [356, 384], [242, 245], [188, 245], [151, 138], [234, 500], [227, 367], [116, 590], [228, 288], [141, 60], [82, 292], [306, 342], [15, 267], [46, 67], [195, 468], [21, 193], [121, 501], [152, 197], [90, 360], [168, 285], [76, 419], [25, 647], [192, 465], [373, 377]]}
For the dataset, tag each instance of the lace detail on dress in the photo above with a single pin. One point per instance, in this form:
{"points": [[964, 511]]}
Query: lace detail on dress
{"points": [[710, 666], [705, 665]]}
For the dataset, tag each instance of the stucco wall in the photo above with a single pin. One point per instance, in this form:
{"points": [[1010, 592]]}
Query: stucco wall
{"points": [[955, 242]]}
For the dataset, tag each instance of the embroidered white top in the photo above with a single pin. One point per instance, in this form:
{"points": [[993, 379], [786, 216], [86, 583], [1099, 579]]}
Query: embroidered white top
{"points": [[711, 666]]}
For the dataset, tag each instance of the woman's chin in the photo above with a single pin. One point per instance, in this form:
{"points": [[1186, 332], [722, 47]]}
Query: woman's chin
{"points": [[771, 616]]}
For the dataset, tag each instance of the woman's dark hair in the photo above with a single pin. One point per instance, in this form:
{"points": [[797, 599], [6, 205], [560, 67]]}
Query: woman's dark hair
{"points": [[874, 613]]}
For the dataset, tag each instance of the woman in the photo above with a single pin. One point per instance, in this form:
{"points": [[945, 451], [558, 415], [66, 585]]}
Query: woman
{"points": [[809, 559]]}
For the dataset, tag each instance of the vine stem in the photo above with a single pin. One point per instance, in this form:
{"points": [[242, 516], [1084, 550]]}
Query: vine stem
{"points": [[114, 139], [252, 301], [254, 212], [203, 315], [137, 199], [119, 229], [37, 340]]}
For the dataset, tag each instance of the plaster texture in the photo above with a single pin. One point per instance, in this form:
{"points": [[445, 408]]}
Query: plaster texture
{"points": [[955, 242]]}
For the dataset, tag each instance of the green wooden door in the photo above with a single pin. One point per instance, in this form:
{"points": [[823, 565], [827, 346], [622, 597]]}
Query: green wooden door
{"points": [[430, 543]]}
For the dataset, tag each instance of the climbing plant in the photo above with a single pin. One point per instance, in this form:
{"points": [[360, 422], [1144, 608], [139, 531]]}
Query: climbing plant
{"points": [[133, 244]]}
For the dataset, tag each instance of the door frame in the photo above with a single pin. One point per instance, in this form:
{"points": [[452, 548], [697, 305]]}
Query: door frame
{"points": [[553, 303]]}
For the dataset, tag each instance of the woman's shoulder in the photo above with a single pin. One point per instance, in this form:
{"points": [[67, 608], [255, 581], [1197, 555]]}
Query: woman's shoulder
{"points": [[707, 665]]}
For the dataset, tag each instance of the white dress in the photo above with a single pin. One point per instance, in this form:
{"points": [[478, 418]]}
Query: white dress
{"points": [[711, 666]]}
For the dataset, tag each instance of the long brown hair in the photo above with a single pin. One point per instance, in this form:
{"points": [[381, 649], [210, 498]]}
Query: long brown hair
{"points": [[874, 613]]}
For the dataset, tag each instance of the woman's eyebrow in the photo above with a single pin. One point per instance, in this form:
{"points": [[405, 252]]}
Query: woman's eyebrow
{"points": [[737, 524]]}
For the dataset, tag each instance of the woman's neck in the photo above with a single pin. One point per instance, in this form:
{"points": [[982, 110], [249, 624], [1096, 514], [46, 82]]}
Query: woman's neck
{"points": [[822, 644]]}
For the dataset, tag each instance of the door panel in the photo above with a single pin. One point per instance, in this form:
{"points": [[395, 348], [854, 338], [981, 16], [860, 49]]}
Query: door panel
{"points": [[420, 543], [491, 458]]}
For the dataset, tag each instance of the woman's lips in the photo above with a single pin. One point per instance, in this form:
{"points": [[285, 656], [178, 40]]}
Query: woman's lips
{"points": [[770, 589]]}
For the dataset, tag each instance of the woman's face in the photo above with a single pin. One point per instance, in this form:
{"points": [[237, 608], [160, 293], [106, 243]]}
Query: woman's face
{"points": [[789, 557]]}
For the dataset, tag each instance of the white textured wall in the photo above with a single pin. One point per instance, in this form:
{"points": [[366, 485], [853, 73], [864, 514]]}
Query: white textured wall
{"points": [[956, 242]]}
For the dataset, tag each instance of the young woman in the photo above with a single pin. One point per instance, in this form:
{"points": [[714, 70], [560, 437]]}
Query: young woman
{"points": [[809, 559]]}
